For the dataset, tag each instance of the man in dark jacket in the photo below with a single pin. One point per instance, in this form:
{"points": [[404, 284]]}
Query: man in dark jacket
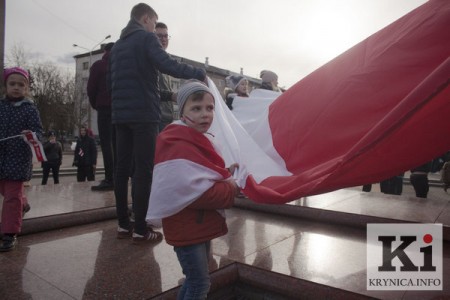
{"points": [[53, 152], [100, 99], [85, 157], [167, 96], [135, 61]]}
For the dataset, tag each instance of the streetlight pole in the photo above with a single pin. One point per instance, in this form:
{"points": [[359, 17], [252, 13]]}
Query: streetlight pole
{"points": [[89, 68]]}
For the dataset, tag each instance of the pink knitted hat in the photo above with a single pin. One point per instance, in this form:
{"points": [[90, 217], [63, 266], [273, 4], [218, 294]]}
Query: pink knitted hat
{"points": [[16, 70]]}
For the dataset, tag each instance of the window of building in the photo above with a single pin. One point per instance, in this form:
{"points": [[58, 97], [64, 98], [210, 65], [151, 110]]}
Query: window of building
{"points": [[85, 65]]}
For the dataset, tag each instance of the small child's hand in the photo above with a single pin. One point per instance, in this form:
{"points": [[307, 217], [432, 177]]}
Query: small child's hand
{"points": [[237, 189], [233, 168]]}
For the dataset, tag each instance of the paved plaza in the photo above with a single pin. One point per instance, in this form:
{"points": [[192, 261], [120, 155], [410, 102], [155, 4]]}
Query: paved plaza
{"points": [[311, 248]]}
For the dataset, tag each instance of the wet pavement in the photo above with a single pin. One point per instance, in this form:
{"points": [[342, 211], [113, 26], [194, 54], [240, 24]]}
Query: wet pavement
{"points": [[69, 249]]}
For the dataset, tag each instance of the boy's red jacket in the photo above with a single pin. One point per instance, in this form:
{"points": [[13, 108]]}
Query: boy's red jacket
{"points": [[200, 221], [190, 187]]}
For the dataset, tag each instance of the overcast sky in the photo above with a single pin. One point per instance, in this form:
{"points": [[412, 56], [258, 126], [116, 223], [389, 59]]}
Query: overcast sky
{"points": [[290, 37]]}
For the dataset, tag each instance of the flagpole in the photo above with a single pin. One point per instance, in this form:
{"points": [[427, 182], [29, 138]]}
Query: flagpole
{"points": [[11, 137]]}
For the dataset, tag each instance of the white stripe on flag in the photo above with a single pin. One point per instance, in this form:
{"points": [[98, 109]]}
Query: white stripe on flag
{"points": [[237, 145], [176, 184]]}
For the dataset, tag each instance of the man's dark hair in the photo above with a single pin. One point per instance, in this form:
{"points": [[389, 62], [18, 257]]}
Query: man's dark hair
{"points": [[108, 47], [142, 9], [161, 25]]}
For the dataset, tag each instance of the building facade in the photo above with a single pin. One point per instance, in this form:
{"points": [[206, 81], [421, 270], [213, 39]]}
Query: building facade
{"points": [[84, 61]]}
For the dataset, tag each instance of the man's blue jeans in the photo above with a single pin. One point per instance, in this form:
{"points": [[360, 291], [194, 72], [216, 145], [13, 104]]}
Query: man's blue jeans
{"points": [[194, 262]]}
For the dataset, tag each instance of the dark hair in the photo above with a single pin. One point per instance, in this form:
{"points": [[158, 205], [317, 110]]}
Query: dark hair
{"points": [[108, 47], [142, 9], [161, 25]]}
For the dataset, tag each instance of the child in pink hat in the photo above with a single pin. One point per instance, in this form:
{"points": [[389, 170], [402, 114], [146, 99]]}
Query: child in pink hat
{"points": [[18, 115]]}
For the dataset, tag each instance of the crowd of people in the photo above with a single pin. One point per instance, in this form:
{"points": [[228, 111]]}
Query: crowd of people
{"points": [[130, 88]]}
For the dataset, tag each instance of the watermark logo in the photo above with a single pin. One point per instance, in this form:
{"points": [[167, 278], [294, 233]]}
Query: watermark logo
{"points": [[404, 257]]}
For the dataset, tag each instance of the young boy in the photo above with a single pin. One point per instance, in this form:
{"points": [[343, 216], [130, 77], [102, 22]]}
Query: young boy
{"points": [[190, 187]]}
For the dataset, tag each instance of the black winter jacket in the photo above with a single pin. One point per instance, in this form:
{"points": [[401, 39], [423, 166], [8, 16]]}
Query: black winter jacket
{"points": [[85, 152], [134, 61]]}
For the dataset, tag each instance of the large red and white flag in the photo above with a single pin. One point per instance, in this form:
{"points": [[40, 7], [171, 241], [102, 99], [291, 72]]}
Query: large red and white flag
{"points": [[377, 110], [186, 165]]}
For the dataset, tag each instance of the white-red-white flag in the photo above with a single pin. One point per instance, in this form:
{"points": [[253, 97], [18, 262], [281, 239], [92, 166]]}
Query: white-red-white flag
{"points": [[35, 145], [377, 110], [186, 165]]}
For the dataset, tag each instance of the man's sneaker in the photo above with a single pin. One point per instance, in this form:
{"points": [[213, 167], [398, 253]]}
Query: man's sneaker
{"points": [[26, 208], [105, 185], [150, 236], [123, 233], [9, 243]]}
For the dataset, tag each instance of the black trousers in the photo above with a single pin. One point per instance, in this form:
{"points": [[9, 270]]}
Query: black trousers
{"points": [[420, 184], [107, 141], [134, 143], [393, 185], [85, 172], [46, 167]]}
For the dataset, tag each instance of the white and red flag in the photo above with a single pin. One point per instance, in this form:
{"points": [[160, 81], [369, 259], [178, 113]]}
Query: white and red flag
{"points": [[377, 110], [35, 145], [186, 166]]}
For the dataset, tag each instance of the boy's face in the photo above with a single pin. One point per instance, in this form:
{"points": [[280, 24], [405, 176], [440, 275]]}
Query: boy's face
{"points": [[16, 86], [199, 113]]}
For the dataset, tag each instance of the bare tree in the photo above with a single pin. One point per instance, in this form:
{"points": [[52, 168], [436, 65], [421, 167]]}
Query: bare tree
{"points": [[17, 56]]}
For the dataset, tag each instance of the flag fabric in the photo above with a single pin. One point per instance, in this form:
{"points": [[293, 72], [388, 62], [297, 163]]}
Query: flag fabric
{"points": [[377, 110], [186, 165], [35, 145]]}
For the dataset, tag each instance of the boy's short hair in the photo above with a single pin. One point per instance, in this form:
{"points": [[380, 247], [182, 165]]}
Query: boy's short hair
{"points": [[142, 9]]}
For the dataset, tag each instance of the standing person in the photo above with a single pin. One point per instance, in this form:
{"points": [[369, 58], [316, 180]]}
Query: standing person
{"points": [[100, 100], [89, 131], [269, 81], [419, 179], [18, 115], [393, 185], [165, 90], [85, 157], [445, 175], [135, 60], [191, 187], [54, 154], [237, 85]]}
